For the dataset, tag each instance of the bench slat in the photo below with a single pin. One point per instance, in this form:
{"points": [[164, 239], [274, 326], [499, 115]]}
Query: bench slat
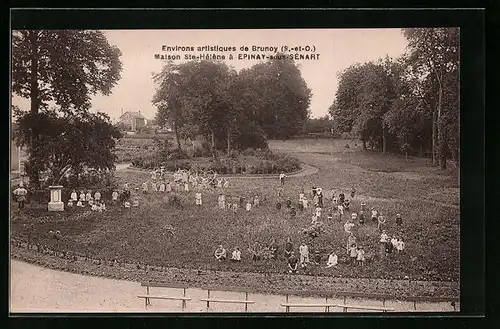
{"points": [[309, 305], [163, 285], [163, 297], [366, 307], [340, 305], [228, 301]]}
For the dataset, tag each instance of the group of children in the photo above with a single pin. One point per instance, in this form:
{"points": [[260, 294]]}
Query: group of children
{"points": [[87, 199], [271, 252]]}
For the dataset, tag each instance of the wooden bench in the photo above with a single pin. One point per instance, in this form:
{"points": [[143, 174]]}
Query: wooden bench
{"points": [[344, 306], [371, 308], [228, 301], [148, 297], [326, 306], [383, 297]]}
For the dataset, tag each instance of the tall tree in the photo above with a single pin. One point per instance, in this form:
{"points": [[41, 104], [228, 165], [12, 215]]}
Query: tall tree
{"points": [[167, 99], [435, 53], [281, 97], [65, 67], [365, 94]]}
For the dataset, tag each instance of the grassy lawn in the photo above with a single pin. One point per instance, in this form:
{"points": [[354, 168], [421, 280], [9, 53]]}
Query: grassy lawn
{"points": [[427, 200]]}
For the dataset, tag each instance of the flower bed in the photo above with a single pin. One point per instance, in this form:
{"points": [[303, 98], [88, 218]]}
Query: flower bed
{"points": [[247, 163]]}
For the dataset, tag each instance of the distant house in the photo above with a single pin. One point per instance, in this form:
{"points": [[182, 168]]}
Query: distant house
{"points": [[133, 120]]}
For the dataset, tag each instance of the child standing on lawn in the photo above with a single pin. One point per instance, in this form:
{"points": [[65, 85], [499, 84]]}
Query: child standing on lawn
{"points": [[168, 187], [154, 187], [316, 200], [222, 201], [256, 201], [282, 178], [197, 197], [305, 203], [360, 256], [354, 216], [384, 240], [235, 204], [318, 211], [351, 239], [340, 209], [162, 186], [374, 215], [353, 253], [186, 187], [361, 217], [381, 222], [304, 254], [145, 187], [248, 206], [319, 192], [346, 205], [399, 220], [288, 247]]}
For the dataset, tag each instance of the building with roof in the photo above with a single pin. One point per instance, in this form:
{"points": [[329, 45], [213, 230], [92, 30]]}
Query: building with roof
{"points": [[133, 120]]}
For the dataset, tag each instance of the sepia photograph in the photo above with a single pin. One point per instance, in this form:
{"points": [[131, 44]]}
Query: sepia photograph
{"points": [[235, 170]]}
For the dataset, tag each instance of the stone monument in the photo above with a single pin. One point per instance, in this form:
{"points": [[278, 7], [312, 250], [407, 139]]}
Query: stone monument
{"points": [[56, 203]]}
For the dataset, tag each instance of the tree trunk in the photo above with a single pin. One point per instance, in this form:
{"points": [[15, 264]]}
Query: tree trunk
{"points": [[34, 105], [177, 137], [229, 141], [442, 135], [364, 144], [434, 137], [384, 141], [212, 144], [443, 145]]}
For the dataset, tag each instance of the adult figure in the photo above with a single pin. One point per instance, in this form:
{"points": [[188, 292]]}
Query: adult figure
{"points": [[20, 194]]}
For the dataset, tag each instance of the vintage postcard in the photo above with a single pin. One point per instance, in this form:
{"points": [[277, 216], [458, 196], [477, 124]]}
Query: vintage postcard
{"points": [[235, 170]]}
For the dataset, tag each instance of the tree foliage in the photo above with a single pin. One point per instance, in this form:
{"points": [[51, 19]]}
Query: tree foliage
{"points": [[68, 141], [232, 110], [411, 103], [61, 67]]}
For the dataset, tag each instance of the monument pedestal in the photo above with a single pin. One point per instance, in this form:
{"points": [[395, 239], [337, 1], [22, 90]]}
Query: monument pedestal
{"points": [[55, 203]]}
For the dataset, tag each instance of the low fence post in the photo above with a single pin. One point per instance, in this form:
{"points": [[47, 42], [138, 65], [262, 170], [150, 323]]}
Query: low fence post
{"points": [[148, 302], [208, 297], [246, 299], [183, 301], [327, 309]]}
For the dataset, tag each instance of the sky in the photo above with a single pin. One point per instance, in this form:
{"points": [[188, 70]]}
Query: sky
{"points": [[337, 48]]}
